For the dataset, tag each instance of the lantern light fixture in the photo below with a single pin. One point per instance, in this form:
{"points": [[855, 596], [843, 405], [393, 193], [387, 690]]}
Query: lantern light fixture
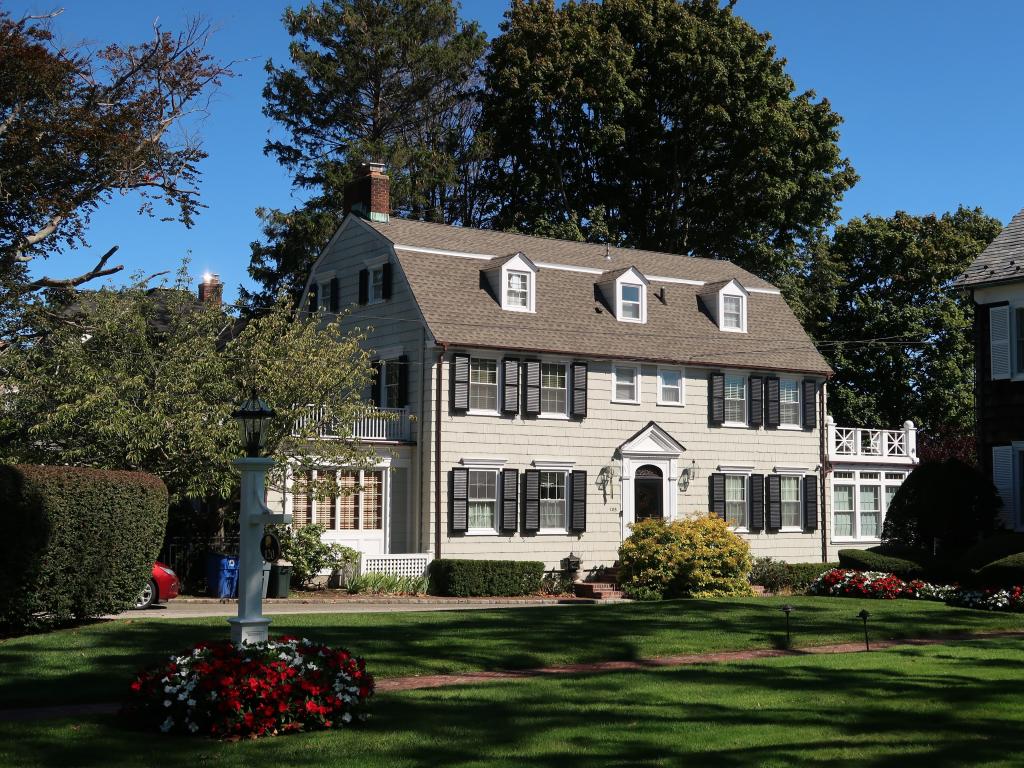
{"points": [[253, 417]]}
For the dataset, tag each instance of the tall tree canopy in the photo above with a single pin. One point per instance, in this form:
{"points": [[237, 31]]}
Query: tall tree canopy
{"points": [[879, 300], [674, 119], [383, 80]]}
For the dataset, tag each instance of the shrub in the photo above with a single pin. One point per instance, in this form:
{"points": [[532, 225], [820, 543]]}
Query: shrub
{"points": [[557, 583], [1005, 572], [309, 554], [875, 560], [485, 578], [986, 551], [262, 689], [77, 543], [802, 575], [386, 584], [700, 557], [770, 574]]}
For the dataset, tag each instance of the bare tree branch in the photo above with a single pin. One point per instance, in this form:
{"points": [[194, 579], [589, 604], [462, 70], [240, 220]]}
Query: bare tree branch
{"points": [[100, 270]]}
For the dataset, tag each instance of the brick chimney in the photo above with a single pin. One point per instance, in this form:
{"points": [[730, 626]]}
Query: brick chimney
{"points": [[369, 193], [211, 289]]}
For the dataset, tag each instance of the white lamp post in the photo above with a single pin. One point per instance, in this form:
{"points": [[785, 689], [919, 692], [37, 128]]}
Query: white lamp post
{"points": [[250, 626]]}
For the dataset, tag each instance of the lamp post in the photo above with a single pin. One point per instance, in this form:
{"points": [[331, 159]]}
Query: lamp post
{"points": [[863, 616], [250, 626], [787, 609]]}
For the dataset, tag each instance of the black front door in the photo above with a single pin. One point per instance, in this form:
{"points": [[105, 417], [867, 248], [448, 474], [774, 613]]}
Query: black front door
{"points": [[647, 490]]}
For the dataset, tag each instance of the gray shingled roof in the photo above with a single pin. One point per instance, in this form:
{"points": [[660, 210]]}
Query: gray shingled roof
{"points": [[570, 320], [1001, 261]]}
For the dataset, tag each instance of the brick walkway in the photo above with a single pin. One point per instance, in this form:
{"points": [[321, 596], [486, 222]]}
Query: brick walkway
{"points": [[398, 684]]}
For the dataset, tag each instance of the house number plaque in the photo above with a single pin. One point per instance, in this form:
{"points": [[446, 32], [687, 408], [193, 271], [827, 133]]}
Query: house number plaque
{"points": [[270, 547]]}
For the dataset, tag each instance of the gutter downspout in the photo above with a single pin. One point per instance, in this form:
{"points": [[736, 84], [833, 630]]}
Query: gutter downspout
{"points": [[825, 470], [437, 453]]}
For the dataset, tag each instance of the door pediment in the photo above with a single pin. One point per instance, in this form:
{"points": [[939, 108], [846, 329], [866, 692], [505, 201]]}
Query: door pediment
{"points": [[652, 439]]}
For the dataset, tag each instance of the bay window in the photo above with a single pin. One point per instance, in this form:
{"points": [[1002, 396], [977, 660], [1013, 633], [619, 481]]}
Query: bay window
{"points": [[860, 500]]}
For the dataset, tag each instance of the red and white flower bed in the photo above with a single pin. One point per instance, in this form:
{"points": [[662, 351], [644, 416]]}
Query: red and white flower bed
{"points": [[843, 582], [223, 690]]}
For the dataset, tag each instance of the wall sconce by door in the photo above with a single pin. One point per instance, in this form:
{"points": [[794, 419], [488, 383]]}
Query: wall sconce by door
{"points": [[687, 475], [606, 481]]}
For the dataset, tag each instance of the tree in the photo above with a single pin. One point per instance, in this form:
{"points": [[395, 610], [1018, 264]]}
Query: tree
{"points": [[78, 126], [880, 304], [381, 80], [674, 119]]}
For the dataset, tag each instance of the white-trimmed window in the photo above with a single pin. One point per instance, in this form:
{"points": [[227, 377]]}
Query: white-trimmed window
{"points": [[377, 285], [789, 403], [735, 399], [483, 385], [790, 494], [732, 313], [483, 500], [358, 504], [893, 481], [625, 384], [859, 502], [843, 507], [631, 302], [553, 501], [554, 392], [736, 500], [517, 290], [670, 386], [869, 502]]}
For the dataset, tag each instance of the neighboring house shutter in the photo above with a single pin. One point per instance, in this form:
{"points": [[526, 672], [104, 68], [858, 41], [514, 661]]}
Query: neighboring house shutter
{"points": [[335, 295], [756, 496], [460, 499], [716, 494], [460, 382], [579, 389], [716, 395], [531, 398], [375, 383], [510, 386], [810, 403], [772, 415], [313, 298], [385, 274], [999, 341], [756, 387], [509, 499], [364, 286], [578, 512], [810, 502], [1002, 479], [773, 486], [403, 382], [531, 502]]}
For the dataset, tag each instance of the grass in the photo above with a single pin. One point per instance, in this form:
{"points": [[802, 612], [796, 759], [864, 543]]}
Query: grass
{"points": [[932, 706], [96, 662]]}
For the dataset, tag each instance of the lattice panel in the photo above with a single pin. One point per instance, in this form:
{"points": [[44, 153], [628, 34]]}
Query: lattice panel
{"points": [[396, 565]]}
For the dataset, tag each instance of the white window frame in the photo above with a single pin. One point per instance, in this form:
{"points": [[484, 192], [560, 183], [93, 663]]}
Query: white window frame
{"points": [[375, 286], [361, 502], [563, 414], [496, 411], [799, 478], [323, 299], [746, 400], [745, 477], [494, 471], [621, 302], [798, 424], [564, 528], [732, 290], [498, 277], [507, 276], [858, 481], [616, 367], [682, 386]]}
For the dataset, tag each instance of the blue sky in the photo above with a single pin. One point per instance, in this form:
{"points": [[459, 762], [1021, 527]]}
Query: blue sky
{"points": [[929, 90]]}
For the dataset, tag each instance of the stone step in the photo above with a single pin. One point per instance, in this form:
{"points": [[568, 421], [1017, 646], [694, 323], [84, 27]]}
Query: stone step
{"points": [[598, 590]]}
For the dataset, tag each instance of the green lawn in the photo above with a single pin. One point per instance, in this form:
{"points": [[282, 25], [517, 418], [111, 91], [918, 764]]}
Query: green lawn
{"points": [[96, 662], [935, 706]]}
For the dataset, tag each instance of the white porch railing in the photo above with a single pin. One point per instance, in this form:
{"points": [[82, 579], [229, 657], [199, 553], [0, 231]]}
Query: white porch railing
{"points": [[397, 565], [873, 445], [388, 424]]}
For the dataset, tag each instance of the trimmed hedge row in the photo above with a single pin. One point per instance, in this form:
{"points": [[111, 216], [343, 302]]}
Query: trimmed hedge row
{"points": [[776, 575], [485, 578], [991, 549], [877, 559], [77, 543], [1006, 572]]}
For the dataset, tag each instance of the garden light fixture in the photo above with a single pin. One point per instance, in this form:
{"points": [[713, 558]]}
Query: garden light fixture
{"points": [[254, 417], [863, 616], [572, 563], [787, 609]]}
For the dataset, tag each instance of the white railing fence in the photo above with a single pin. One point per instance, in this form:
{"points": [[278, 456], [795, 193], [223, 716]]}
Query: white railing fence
{"points": [[413, 566], [872, 443], [382, 424]]}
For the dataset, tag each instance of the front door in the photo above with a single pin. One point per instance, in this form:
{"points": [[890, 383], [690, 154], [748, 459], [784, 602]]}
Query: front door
{"points": [[647, 490]]}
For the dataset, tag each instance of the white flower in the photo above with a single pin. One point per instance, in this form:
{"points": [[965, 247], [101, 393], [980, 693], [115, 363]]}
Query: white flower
{"points": [[193, 727], [167, 702], [167, 724], [346, 718], [191, 702]]}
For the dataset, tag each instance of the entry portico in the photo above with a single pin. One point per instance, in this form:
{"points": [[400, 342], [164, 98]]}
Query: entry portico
{"points": [[652, 454]]}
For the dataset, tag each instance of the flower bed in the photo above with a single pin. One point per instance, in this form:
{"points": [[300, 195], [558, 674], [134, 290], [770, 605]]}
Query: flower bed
{"points": [[223, 690], [844, 582], [990, 599]]}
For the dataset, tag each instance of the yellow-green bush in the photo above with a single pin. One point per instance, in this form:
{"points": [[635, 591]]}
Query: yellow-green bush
{"points": [[701, 557]]}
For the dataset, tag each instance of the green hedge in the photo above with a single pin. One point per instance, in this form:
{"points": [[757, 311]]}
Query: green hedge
{"points": [[485, 578], [991, 549], [802, 575], [1007, 572], [877, 559], [776, 575], [77, 543]]}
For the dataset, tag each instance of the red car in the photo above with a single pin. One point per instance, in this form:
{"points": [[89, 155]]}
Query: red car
{"points": [[163, 585]]}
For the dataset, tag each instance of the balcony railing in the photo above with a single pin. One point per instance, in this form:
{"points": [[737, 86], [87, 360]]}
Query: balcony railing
{"points": [[383, 424], [873, 445]]}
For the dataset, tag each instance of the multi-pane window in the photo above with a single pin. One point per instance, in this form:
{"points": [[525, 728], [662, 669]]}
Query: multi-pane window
{"points": [[630, 299], [732, 312], [302, 500], [736, 500], [843, 510], [483, 499], [789, 403], [517, 291], [870, 502], [893, 481], [670, 386], [860, 500], [553, 388], [625, 381], [357, 503], [392, 384], [373, 501], [377, 284], [483, 385], [790, 489], [736, 399], [348, 507], [552, 500]]}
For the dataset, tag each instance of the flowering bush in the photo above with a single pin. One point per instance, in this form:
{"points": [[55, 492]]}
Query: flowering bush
{"points": [[263, 689], [989, 599], [843, 582]]}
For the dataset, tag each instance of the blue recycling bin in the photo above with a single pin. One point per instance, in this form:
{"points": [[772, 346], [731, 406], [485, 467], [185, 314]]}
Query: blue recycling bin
{"points": [[221, 574]]}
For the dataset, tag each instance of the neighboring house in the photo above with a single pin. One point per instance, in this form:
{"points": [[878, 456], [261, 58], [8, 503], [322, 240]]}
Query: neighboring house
{"points": [[996, 283], [549, 393]]}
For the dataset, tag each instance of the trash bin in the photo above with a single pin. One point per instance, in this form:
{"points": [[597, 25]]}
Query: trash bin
{"points": [[280, 579], [221, 574]]}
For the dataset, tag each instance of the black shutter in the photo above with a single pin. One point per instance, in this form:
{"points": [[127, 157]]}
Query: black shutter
{"points": [[810, 404], [579, 389], [756, 386], [774, 489], [460, 382], [772, 416], [756, 502], [578, 513], [313, 298], [460, 499], [716, 494], [531, 393], [385, 274], [375, 383], [509, 499], [335, 295], [531, 501], [810, 502], [403, 382], [716, 412], [510, 386], [364, 286]]}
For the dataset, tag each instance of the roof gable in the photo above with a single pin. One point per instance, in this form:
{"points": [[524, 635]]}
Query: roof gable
{"points": [[1002, 261]]}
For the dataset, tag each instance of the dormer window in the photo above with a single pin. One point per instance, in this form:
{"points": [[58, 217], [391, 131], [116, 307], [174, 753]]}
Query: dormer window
{"points": [[732, 313], [726, 304], [624, 292], [517, 292], [630, 302], [512, 281]]}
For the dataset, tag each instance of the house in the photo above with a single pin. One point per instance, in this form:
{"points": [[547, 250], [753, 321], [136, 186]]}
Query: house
{"points": [[547, 394], [995, 280]]}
